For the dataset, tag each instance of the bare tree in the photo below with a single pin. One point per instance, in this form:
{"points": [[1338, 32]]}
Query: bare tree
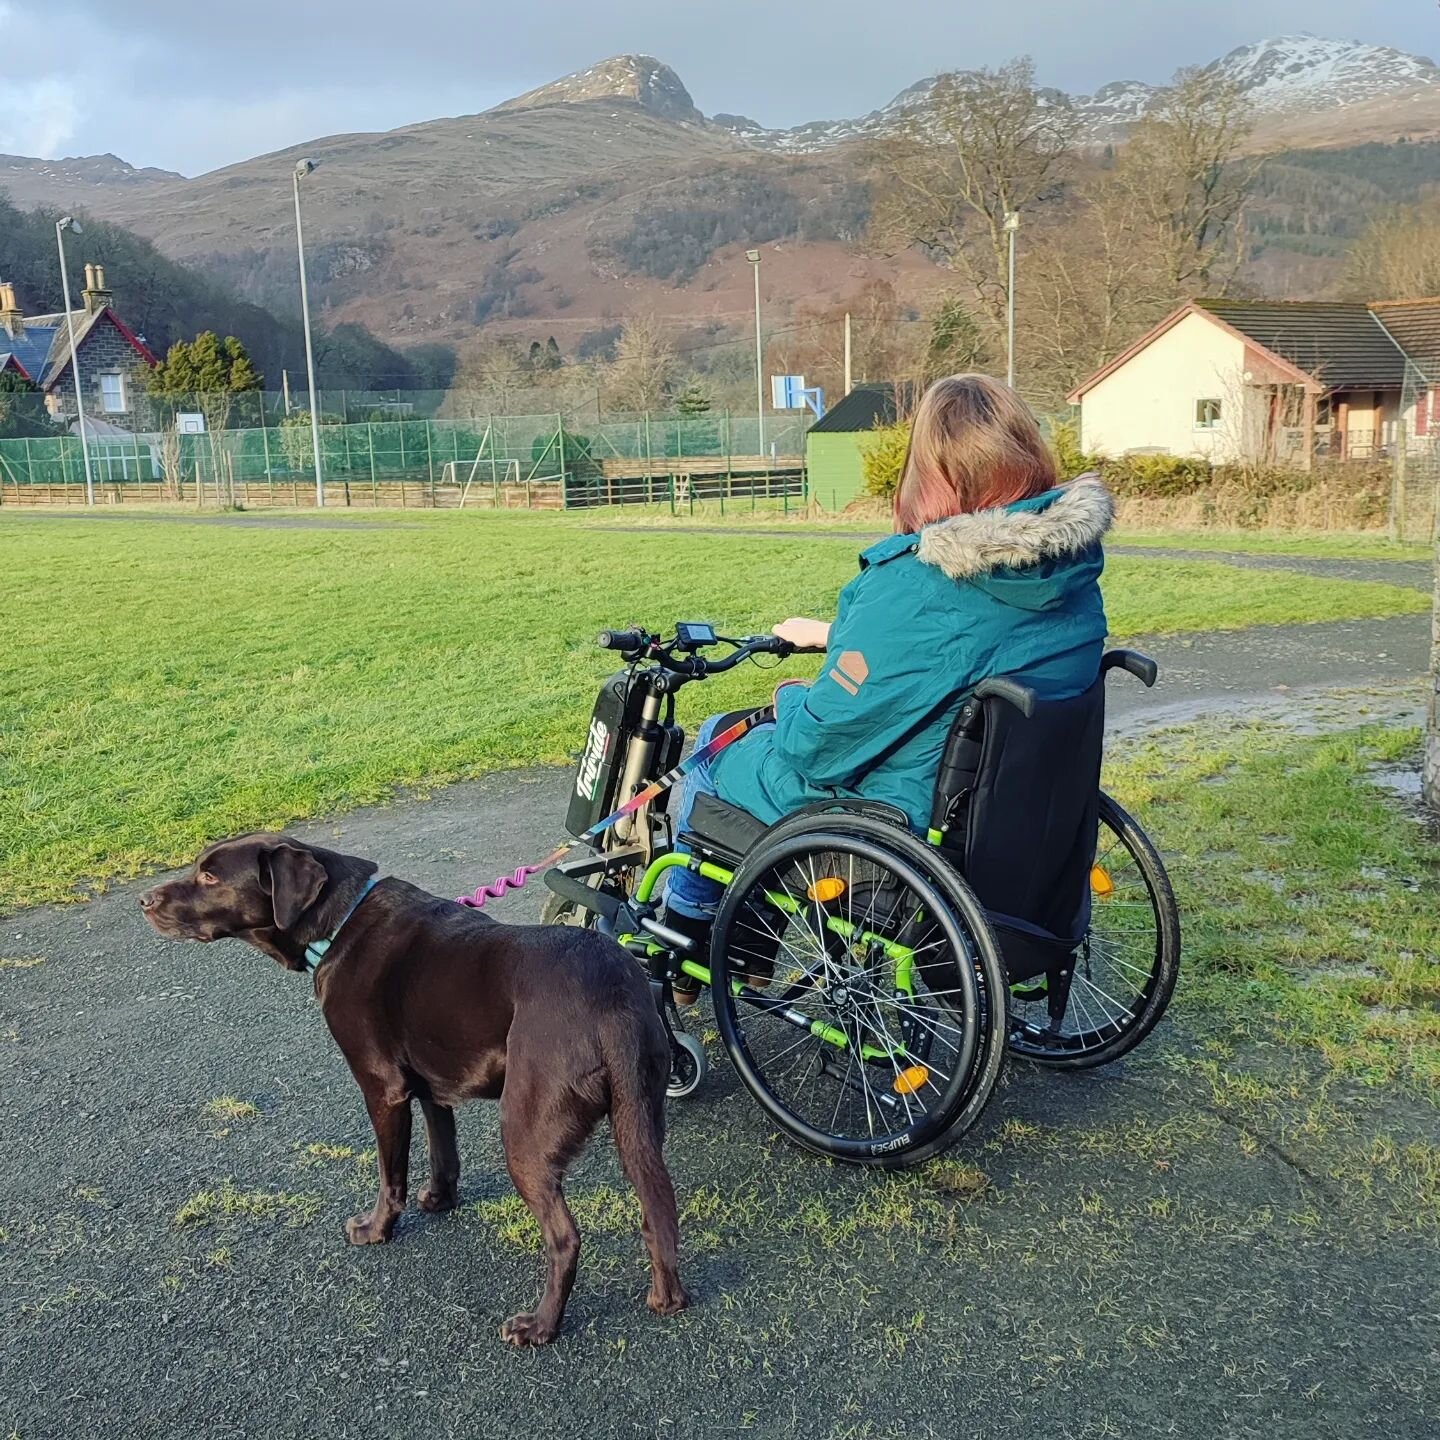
{"points": [[639, 377], [1398, 255], [1133, 238], [985, 143], [1183, 172]]}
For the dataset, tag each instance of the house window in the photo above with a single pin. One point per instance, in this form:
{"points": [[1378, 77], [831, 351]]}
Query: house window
{"points": [[1207, 414], [112, 394]]}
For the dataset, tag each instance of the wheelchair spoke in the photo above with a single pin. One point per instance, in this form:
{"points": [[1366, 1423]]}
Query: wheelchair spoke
{"points": [[842, 932]]}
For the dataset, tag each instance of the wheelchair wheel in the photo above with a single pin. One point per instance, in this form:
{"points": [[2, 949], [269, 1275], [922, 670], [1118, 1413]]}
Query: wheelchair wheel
{"points": [[856, 987], [1124, 973]]}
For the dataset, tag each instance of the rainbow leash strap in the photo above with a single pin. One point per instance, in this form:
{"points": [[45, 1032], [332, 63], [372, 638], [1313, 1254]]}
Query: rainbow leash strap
{"points": [[503, 884]]}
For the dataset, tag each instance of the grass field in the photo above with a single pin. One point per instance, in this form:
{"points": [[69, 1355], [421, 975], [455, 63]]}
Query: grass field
{"points": [[1337, 545], [163, 684]]}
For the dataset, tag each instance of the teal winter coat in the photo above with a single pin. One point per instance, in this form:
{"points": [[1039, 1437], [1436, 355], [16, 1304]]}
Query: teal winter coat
{"points": [[1012, 591]]}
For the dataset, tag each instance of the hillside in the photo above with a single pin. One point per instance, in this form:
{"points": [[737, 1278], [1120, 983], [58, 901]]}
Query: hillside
{"points": [[166, 301], [607, 193]]}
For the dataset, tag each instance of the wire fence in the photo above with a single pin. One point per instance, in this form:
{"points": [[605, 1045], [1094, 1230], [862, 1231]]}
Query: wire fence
{"points": [[1415, 493], [435, 462]]}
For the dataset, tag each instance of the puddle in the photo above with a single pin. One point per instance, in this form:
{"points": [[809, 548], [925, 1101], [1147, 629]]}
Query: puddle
{"points": [[1402, 780], [1301, 712]]}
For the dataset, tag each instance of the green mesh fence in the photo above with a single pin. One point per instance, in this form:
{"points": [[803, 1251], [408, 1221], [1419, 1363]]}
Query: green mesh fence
{"points": [[587, 463]]}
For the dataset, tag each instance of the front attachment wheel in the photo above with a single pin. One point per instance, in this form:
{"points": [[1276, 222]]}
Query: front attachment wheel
{"points": [[1125, 970], [857, 988]]}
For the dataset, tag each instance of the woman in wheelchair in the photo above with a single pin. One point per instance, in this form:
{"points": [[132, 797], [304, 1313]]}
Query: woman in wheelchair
{"points": [[993, 570]]}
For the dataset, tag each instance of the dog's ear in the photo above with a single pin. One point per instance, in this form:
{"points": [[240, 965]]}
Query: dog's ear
{"points": [[294, 879]]}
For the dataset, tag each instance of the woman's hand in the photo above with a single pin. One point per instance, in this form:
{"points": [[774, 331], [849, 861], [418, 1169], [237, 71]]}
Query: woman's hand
{"points": [[804, 634]]}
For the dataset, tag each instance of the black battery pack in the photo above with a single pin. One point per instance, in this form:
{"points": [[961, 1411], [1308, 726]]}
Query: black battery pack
{"points": [[613, 721]]}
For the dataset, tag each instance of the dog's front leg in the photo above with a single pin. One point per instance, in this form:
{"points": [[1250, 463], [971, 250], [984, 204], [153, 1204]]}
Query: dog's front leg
{"points": [[391, 1120]]}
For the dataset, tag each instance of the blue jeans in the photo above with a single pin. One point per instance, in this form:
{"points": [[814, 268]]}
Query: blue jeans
{"points": [[687, 893]]}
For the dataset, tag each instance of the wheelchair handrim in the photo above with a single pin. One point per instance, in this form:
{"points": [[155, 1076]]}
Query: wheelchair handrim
{"points": [[963, 1008]]}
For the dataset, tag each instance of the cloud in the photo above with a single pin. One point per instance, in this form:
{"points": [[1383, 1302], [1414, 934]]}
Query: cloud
{"points": [[39, 116]]}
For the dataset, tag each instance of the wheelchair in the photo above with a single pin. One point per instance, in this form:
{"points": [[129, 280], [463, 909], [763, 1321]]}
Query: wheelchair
{"points": [[868, 982]]}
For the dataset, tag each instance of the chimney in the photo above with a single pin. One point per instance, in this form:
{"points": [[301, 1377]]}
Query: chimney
{"points": [[96, 296], [11, 320]]}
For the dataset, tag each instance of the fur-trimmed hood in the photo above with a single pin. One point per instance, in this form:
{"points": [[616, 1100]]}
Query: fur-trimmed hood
{"points": [[1059, 525]]}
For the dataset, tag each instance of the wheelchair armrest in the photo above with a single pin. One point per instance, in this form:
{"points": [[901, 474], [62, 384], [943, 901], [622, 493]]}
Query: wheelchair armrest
{"points": [[1022, 697], [1142, 667]]}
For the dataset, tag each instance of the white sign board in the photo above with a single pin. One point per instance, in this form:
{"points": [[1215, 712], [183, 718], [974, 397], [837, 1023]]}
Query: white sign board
{"points": [[189, 423], [785, 392]]}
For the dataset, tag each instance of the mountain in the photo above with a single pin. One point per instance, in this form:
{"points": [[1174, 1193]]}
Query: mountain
{"points": [[74, 181], [1291, 79], [641, 79], [607, 193]]}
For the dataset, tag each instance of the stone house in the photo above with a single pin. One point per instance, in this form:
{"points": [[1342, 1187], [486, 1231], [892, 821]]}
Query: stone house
{"points": [[113, 359]]}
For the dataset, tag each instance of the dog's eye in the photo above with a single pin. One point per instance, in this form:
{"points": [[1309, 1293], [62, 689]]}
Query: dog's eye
{"points": [[206, 878]]}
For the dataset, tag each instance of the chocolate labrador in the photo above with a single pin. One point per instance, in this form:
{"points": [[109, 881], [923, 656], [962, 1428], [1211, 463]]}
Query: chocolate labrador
{"points": [[433, 1002]]}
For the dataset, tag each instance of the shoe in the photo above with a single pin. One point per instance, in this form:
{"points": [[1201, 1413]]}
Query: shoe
{"points": [[685, 988]]}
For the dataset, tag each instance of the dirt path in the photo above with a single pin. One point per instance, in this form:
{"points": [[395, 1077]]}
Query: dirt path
{"points": [[1124, 1255]]}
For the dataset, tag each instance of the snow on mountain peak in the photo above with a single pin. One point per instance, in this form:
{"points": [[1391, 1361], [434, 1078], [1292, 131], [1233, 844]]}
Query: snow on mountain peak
{"points": [[1309, 72], [649, 82]]}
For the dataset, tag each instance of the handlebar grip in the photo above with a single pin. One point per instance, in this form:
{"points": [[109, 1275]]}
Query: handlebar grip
{"points": [[1142, 667], [621, 639], [1022, 697]]}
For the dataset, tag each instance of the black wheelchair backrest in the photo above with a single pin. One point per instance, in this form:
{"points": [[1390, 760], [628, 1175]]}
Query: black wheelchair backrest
{"points": [[1017, 802]]}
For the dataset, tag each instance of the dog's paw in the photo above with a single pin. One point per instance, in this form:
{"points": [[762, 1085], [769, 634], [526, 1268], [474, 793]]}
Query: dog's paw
{"points": [[668, 1302], [437, 1202], [521, 1330], [366, 1230]]}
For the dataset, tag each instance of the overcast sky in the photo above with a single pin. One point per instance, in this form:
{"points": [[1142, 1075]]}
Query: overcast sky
{"points": [[192, 86]]}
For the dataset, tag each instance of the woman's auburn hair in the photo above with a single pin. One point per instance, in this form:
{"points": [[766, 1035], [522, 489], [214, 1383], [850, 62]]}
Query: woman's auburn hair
{"points": [[974, 445]]}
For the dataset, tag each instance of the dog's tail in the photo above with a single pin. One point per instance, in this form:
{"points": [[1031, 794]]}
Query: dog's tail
{"points": [[638, 1071]]}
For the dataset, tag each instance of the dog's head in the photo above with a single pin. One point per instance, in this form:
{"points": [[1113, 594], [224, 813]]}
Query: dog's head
{"points": [[270, 891]]}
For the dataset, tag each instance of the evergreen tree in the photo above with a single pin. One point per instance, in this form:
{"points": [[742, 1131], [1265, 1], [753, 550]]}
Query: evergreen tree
{"points": [[205, 365], [693, 400]]}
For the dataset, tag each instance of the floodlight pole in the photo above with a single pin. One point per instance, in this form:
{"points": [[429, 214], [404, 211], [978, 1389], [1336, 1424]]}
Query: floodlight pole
{"points": [[68, 222], [1012, 229], [302, 168], [753, 256]]}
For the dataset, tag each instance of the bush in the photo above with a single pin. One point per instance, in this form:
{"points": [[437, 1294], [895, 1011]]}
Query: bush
{"points": [[1156, 477], [882, 458], [1065, 445]]}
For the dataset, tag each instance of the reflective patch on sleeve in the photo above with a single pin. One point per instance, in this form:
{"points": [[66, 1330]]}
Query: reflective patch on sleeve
{"points": [[850, 671]]}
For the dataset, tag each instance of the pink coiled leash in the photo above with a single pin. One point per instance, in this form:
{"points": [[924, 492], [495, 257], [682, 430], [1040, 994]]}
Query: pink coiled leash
{"points": [[515, 880], [503, 884]]}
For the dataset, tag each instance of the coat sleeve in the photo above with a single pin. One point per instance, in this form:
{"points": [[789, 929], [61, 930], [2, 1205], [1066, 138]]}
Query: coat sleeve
{"points": [[877, 685]]}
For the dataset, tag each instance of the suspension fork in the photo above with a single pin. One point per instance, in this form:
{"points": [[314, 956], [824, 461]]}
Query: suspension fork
{"points": [[639, 755]]}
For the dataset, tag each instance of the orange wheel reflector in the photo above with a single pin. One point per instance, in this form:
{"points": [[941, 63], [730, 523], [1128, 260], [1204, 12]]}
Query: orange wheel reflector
{"points": [[909, 1080], [826, 889], [1100, 881]]}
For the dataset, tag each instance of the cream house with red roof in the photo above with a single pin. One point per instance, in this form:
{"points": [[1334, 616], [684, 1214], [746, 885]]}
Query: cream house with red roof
{"points": [[1229, 380]]}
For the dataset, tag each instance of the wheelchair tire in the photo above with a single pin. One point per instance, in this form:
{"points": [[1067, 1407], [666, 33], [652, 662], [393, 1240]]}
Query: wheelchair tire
{"points": [[854, 1050], [1125, 977]]}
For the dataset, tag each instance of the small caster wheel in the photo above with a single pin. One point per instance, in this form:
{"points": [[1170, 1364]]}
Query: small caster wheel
{"points": [[687, 1065]]}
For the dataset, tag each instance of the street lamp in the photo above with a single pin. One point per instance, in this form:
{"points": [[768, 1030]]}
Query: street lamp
{"points": [[68, 222], [1012, 229], [302, 169], [753, 256]]}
